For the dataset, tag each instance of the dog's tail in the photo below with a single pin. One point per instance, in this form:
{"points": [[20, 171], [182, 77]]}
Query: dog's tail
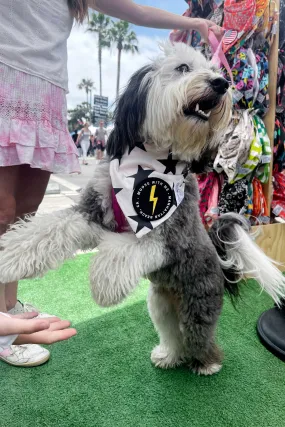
{"points": [[241, 258], [42, 243]]}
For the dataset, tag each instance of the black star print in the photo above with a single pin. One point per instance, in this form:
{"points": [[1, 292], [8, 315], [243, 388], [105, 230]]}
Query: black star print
{"points": [[138, 145], [141, 223], [117, 190], [186, 171], [170, 164], [140, 175]]}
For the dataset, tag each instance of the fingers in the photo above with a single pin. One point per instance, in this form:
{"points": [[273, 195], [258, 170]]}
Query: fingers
{"points": [[49, 336], [218, 31], [26, 324], [57, 326], [29, 315], [15, 326], [51, 319], [61, 335], [36, 331]]}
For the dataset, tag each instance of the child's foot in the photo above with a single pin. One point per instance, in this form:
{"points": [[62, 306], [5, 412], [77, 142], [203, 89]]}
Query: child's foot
{"points": [[25, 356], [21, 308]]}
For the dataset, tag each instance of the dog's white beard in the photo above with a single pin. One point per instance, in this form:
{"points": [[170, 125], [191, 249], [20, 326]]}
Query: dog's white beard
{"points": [[33, 247]]}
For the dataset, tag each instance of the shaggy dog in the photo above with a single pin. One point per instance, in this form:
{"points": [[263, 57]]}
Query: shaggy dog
{"points": [[179, 104]]}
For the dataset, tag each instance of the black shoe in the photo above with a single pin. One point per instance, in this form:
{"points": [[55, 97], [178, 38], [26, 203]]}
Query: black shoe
{"points": [[271, 331]]}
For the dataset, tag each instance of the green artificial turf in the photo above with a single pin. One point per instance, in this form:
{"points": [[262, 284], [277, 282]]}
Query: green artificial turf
{"points": [[103, 377]]}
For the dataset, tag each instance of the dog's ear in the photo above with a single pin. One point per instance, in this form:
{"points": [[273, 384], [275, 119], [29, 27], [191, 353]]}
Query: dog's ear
{"points": [[129, 114]]}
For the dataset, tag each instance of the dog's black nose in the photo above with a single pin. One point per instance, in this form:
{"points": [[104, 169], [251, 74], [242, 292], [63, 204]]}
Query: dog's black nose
{"points": [[220, 85]]}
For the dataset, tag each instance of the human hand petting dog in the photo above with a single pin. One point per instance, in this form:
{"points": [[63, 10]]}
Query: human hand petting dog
{"points": [[153, 17], [35, 331], [203, 26]]}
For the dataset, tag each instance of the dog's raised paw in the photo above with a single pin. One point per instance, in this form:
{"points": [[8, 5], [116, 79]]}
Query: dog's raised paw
{"points": [[211, 369], [163, 358]]}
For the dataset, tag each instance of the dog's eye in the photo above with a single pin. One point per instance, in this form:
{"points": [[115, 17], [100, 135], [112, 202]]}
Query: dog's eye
{"points": [[183, 68]]}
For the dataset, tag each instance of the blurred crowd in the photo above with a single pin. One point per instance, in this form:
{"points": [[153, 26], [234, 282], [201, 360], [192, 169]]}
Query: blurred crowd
{"points": [[91, 141]]}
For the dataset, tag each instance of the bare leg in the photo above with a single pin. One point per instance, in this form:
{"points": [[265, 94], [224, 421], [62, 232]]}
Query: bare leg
{"points": [[3, 308], [11, 291], [99, 153], [30, 190], [169, 353], [29, 193], [8, 181], [84, 146]]}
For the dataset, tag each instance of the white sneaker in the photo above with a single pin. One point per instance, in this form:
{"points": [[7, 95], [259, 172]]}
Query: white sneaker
{"points": [[21, 308], [26, 356]]}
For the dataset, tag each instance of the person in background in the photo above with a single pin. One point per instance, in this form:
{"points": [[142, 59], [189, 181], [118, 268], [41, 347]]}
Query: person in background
{"points": [[100, 134], [91, 146], [75, 137], [34, 83], [84, 140]]}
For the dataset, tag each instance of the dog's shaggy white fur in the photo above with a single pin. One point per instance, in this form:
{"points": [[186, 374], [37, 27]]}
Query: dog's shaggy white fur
{"points": [[179, 102]]}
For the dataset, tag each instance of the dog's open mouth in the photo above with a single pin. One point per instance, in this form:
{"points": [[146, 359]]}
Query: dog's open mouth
{"points": [[202, 109]]}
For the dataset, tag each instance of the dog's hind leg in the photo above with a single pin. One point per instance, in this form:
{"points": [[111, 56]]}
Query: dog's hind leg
{"points": [[199, 313], [169, 353]]}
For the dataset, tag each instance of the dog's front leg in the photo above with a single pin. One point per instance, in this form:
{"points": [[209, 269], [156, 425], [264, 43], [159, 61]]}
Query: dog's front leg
{"points": [[122, 261], [41, 243]]}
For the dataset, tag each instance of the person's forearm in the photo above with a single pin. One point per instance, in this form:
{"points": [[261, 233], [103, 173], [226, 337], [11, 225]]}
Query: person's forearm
{"points": [[143, 15]]}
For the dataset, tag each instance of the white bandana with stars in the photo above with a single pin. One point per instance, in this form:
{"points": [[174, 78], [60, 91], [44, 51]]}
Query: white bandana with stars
{"points": [[149, 186]]}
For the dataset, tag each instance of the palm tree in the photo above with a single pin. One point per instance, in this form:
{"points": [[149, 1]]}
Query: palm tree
{"points": [[125, 40], [100, 23], [88, 85]]}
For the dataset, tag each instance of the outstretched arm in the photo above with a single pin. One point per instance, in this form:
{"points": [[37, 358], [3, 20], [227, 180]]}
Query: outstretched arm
{"points": [[147, 16]]}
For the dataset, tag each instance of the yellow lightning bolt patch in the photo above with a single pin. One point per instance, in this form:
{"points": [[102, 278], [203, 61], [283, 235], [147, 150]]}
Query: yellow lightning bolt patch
{"points": [[152, 198]]}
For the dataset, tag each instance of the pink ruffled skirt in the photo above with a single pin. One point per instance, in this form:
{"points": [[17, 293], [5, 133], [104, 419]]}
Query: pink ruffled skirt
{"points": [[33, 124]]}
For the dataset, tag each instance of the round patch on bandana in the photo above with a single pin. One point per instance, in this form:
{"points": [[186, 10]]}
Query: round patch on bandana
{"points": [[230, 36], [152, 199]]}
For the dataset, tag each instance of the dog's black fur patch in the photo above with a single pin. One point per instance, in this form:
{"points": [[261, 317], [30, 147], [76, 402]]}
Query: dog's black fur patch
{"points": [[129, 115], [220, 233], [205, 162]]}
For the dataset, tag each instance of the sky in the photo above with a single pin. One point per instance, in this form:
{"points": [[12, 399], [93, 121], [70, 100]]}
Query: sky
{"points": [[83, 57]]}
